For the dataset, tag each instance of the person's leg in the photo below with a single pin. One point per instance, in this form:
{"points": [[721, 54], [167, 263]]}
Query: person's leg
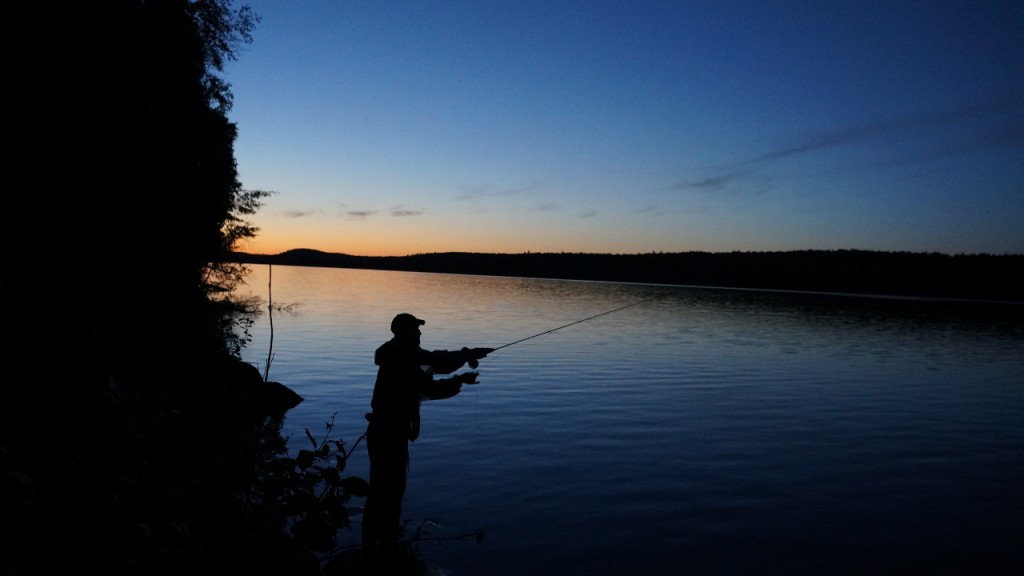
{"points": [[389, 458], [392, 492], [371, 524]]}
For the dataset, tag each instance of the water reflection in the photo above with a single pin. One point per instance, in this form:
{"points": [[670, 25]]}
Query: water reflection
{"points": [[714, 430]]}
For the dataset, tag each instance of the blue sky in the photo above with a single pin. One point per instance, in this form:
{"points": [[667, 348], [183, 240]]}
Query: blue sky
{"points": [[407, 127]]}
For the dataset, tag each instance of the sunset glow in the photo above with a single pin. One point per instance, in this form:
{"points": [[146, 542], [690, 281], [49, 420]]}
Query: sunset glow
{"points": [[403, 127]]}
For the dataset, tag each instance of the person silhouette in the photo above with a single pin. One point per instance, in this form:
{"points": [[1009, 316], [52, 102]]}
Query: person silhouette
{"points": [[405, 377]]}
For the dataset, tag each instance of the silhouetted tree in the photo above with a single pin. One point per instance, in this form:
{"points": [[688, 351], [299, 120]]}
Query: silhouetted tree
{"points": [[123, 424], [125, 183]]}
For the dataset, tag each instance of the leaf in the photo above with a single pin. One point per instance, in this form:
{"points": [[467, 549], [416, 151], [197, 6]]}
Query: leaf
{"points": [[355, 486], [304, 459], [331, 476], [311, 439]]}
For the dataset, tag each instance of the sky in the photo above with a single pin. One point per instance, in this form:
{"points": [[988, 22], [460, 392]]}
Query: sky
{"points": [[408, 127]]}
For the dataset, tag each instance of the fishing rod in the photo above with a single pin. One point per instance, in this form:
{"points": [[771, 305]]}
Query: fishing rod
{"points": [[572, 324]]}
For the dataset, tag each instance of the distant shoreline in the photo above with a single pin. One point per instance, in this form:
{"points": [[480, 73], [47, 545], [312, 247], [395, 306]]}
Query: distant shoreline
{"points": [[908, 274]]}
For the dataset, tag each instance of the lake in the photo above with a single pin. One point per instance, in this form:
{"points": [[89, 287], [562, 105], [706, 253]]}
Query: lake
{"points": [[696, 431]]}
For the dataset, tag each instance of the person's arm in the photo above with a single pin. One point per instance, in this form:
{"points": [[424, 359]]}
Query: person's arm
{"points": [[447, 387], [446, 362]]}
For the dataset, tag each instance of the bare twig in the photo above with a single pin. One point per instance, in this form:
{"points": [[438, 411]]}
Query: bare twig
{"points": [[270, 317]]}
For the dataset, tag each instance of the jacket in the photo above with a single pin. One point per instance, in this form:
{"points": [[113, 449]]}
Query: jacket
{"points": [[405, 377]]}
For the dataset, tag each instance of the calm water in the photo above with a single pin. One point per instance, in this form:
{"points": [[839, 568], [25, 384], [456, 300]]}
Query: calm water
{"points": [[702, 432]]}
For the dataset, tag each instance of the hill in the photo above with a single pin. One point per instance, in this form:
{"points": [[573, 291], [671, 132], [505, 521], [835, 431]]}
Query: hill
{"points": [[965, 276]]}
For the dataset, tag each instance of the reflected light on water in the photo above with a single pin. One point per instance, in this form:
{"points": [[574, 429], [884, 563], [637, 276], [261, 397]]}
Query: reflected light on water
{"points": [[708, 431]]}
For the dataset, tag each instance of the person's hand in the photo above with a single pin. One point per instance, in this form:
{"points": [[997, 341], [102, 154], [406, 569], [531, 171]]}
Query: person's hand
{"points": [[476, 353], [468, 377], [473, 355]]}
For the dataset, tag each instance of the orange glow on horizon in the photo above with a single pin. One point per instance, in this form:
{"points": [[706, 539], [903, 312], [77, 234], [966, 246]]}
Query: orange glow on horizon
{"points": [[370, 246], [407, 237], [277, 235], [407, 247]]}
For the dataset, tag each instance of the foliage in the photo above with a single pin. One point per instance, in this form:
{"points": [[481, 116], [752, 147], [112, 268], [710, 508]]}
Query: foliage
{"points": [[133, 442], [222, 30], [124, 173], [235, 319], [311, 491]]}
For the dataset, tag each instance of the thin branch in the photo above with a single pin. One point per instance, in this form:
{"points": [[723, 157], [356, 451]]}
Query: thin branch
{"points": [[270, 317]]}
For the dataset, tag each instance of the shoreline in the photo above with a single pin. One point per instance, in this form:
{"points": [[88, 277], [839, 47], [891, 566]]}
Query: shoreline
{"points": [[974, 278]]}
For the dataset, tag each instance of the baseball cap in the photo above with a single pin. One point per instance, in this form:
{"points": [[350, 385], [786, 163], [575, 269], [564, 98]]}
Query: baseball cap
{"points": [[406, 322]]}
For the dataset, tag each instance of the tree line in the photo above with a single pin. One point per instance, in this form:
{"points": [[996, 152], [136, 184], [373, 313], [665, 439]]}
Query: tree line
{"points": [[133, 440], [967, 276]]}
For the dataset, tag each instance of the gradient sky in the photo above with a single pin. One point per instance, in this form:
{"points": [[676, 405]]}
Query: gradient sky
{"points": [[394, 127]]}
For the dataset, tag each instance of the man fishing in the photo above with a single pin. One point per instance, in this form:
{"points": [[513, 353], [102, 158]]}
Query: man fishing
{"points": [[405, 377]]}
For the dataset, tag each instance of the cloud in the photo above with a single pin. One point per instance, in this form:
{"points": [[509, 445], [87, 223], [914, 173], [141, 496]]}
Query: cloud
{"points": [[589, 214], [400, 212], [546, 207], [296, 213], [934, 135], [475, 192], [1005, 137], [737, 184], [652, 209], [710, 183], [954, 119], [360, 214]]}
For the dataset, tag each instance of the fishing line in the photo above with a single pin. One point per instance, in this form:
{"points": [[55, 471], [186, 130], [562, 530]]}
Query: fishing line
{"points": [[473, 363], [572, 324]]}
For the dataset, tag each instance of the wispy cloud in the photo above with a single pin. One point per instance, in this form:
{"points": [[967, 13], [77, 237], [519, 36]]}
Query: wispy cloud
{"points": [[652, 209], [709, 183], [296, 213], [934, 135], [589, 214], [738, 184], [1006, 137], [360, 214], [402, 212], [476, 192], [905, 126]]}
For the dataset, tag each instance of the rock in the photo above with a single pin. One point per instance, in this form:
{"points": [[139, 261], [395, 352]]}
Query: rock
{"points": [[278, 398]]}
